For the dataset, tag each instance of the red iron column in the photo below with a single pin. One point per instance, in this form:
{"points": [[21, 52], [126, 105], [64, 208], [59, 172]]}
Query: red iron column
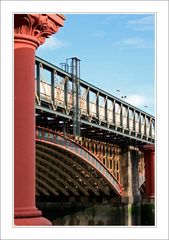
{"points": [[149, 158], [30, 31]]}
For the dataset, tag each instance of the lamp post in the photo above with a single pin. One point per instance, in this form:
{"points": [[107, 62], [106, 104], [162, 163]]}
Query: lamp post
{"points": [[123, 96]]}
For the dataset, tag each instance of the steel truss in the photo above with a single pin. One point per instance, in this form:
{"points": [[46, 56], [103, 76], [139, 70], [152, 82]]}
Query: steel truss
{"points": [[86, 110]]}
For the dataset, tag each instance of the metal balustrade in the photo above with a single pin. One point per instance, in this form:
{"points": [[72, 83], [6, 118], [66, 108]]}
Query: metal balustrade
{"points": [[96, 107]]}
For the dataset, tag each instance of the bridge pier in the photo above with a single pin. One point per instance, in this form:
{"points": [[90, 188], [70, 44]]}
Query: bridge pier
{"points": [[148, 201], [30, 31], [130, 180], [149, 156]]}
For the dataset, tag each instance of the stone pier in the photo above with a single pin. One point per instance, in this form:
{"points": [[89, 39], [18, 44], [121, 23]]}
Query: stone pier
{"points": [[130, 180]]}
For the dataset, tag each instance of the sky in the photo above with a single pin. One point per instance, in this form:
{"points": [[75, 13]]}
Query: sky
{"points": [[117, 51]]}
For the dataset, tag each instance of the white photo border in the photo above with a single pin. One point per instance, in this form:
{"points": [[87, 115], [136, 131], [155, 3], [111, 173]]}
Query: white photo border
{"points": [[160, 231]]}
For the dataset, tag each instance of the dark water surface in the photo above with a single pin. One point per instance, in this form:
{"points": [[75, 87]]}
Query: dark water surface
{"points": [[85, 212]]}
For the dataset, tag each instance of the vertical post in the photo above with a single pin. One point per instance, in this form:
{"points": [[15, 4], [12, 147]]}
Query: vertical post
{"points": [[52, 85], [26, 40], [106, 110], [114, 112], [140, 119], [149, 158], [78, 96], [97, 107], [148, 206], [75, 95], [134, 121], [66, 93], [121, 115], [88, 102], [128, 118], [145, 126], [150, 128]]}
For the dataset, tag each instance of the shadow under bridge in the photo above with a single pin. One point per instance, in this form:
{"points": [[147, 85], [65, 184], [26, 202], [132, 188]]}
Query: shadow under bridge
{"points": [[65, 168]]}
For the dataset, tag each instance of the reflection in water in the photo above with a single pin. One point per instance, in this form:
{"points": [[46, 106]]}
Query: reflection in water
{"points": [[109, 212]]}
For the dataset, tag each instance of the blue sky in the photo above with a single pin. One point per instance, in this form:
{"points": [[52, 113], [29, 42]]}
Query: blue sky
{"points": [[117, 51]]}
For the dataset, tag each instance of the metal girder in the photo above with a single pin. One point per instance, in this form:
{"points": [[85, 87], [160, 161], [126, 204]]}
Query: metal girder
{"points": [[114, 131], [92, 178], [54, 175], [64, 173], [139, 127], [76, 173], [75, 149]]}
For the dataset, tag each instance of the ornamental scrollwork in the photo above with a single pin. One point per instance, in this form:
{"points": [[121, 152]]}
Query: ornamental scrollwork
{"points": [[38, 26]]}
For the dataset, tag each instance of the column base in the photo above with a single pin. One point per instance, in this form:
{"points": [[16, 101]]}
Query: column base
{"points": [[30, 217], [32, 221], [148, 199]]}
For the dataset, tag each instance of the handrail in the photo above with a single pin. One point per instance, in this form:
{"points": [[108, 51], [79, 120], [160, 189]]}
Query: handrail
{"points": [[91, 86]]}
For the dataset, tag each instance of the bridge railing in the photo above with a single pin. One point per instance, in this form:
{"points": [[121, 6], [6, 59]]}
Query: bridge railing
{"points": [[54, 86]]}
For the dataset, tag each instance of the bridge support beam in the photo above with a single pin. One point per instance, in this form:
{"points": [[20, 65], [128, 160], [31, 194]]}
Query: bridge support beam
{"points": [[130, 181], [30, 31]]}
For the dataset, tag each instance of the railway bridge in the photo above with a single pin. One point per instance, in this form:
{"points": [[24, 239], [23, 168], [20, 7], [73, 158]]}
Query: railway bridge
{"points": [[109, 136], [89, 143]]}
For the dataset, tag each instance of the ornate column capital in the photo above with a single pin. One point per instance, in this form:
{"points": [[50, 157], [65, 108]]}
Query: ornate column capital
{"points": [[35, 28], [149, 148]]}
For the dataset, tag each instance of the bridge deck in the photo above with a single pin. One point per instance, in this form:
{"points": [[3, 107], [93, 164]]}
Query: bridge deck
{"points": [[99, 115]]}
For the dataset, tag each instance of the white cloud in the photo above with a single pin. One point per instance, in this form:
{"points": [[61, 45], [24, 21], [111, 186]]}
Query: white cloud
{"points": [[136, 100], [139, 100], [53, 43], [142, 24], [114, 18], [134, 42]]}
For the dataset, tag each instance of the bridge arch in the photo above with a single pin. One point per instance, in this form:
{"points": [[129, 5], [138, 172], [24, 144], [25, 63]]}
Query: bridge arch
{"points": [[65, 167]]}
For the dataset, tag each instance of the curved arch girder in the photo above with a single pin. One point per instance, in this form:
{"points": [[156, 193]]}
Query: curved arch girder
{"points": [[46, 185], [54, 151], [67, 167], [69, 145], [56, 177], [53, 183], [65, 175]]}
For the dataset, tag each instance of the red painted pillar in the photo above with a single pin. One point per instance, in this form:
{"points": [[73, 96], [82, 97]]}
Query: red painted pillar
{"points": [[30, 30], [149, 158]]}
